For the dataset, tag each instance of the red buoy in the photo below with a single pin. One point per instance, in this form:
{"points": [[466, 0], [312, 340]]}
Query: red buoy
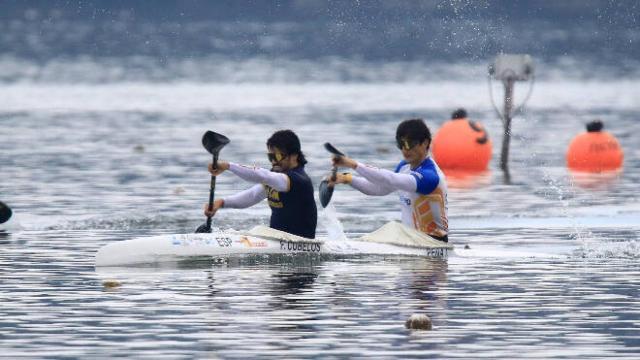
{"points": [[595, 150], [461, 144]]}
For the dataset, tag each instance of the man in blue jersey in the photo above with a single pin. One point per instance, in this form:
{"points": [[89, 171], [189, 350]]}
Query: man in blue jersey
{"points": [[287, 187], [420, 184]]}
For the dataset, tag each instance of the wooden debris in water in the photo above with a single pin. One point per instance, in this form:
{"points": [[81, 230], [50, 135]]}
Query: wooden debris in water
{"points": [[111, 284]]}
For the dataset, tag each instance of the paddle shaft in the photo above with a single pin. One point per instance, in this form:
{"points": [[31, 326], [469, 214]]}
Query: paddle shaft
{"points": [[325, 190], [212, 190], [332, 149], [334, 173]]}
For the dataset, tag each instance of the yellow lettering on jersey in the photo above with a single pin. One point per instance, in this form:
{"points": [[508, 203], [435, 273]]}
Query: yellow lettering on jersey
{"points": [[274, 197], [272, 193]]}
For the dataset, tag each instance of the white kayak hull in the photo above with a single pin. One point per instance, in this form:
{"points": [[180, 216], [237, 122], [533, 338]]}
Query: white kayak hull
{"points": [[164, 248]]}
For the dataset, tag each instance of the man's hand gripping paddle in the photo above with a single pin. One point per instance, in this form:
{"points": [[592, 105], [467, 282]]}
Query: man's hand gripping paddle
{"points": [[213, 142], [325, 190]]}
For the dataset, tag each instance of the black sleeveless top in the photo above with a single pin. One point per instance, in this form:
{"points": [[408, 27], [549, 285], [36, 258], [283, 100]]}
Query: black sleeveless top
{"points": [[294, 211]]}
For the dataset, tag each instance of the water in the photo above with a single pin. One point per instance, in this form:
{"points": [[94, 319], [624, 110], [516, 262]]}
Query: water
{"points": [[101, 143]]}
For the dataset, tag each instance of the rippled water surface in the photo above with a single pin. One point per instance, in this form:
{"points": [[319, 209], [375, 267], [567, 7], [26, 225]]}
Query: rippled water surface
{"points": [[97, 150], [552, 269]]}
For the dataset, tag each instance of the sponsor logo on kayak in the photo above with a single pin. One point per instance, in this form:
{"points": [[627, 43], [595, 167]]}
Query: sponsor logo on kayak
{"points": [[252, 244], [223, 241], [299, 246], [437, 252], [189, 240]]}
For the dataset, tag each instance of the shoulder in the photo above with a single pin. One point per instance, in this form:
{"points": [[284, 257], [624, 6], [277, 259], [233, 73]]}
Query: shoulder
{"points": [[428, 168], [427, 176], [298, 174], [428, 165]]}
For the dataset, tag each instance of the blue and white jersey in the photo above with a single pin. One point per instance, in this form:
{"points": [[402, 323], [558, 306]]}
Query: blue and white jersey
{"points": [[426, 208]]}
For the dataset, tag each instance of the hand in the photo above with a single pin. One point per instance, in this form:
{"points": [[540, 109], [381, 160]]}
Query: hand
{"points": [[343, 161], [222, 166], [217, 204], [344, 178]]}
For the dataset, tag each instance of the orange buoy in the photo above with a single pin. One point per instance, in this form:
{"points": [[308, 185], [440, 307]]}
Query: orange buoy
{"points": [[462, 144], [595, 150]]}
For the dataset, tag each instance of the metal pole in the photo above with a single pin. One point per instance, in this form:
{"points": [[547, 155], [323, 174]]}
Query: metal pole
{"points": [[508, 106]]}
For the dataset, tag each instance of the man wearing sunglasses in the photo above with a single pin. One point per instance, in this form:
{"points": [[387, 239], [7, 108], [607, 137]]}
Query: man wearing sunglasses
{"points": [[287, 187], [419, 182]]}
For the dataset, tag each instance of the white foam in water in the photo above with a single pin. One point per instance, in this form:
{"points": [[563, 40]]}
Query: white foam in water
{"points": [[548, 222], [484, 253], [603, 249], [335, 231], [336, 237]]}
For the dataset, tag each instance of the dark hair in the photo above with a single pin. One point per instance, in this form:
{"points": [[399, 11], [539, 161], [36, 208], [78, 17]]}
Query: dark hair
{"points": [[595, 126], [459, 114], [413, 129], [287, 141]]}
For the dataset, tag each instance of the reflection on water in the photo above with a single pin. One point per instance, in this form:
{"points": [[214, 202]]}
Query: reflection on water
{"points": [[292, 283], [466, 179], [596, 181]]}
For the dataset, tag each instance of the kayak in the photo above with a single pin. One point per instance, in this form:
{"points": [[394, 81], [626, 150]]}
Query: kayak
{"points": [[391, 239]]}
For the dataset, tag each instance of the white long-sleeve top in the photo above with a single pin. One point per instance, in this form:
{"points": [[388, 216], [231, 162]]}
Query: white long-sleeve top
{"points": [[246, 198], [277, 181], [256, 193], [381, 181], [422, 192]]}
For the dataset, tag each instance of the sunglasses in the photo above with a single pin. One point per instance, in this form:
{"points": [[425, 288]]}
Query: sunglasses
{"points": [[275, 156], [406, 144]]}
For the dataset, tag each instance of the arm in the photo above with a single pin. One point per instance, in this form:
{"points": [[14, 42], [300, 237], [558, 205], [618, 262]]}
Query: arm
{"points": [[388, 179], [376, 185], [361, 184], [278, 181], [367, 187], [241, 200], [246, 198]]}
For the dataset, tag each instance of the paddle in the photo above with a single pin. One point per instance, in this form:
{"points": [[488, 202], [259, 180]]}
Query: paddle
{"points": [[325, 191], [213, 142], [5, 213]]}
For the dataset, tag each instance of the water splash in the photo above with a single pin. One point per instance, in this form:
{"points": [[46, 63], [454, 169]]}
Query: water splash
{"points": [[609, 250], [329, 219]]}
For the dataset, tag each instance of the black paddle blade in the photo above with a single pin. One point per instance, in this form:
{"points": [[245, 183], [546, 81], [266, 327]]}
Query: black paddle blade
{"points": [[214, 142], [203, 229], [5, 213], [325, 192], [332, 149]]}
